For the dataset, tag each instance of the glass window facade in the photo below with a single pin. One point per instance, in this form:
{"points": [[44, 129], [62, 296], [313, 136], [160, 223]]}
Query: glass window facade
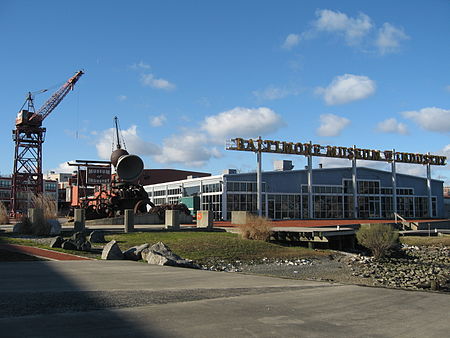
{"points": [[288, 197]]}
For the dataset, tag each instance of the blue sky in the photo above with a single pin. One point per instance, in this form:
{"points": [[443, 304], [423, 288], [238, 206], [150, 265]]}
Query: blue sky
{"points": [[184, 76]]}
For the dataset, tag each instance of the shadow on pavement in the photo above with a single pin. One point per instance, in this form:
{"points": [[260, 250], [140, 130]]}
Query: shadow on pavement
{"points": [[38, 301]]}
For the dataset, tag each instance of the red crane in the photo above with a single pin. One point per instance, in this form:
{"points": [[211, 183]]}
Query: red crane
{"points": [[28, 137]]}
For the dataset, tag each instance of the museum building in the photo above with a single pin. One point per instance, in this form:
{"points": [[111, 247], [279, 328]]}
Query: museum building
{"points": [[320, 193]]}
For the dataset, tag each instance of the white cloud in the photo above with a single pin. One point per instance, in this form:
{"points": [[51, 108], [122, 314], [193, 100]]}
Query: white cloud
{"points": [[158, 121], [347, 88], [353, 29], [445, 151], [331, 125], [190, 149], [392, 126], [431, 118], [158, 83], [241, 122], [140, 65], [274, 93], [291, 41], [133, 143], [122, 98], [389, 38], [358, 31], [64, 167]]}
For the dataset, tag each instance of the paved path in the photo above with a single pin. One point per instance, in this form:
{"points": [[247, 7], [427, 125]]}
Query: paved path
{"points": [[120, 299], [42, 253]]}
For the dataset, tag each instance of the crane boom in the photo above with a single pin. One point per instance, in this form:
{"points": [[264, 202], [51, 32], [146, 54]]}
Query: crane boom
{"points": [[28, 137], [56, 98]]}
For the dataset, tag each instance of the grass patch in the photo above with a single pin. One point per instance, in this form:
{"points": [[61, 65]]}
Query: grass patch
{"points": [[201, 246], [198, 246], [425, 240], [11, 239]]}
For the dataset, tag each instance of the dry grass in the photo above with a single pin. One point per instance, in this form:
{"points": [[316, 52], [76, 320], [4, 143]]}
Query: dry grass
{"points": [[47, 204], [257, 228], [426, 241], [4, 218], [44, 210]]}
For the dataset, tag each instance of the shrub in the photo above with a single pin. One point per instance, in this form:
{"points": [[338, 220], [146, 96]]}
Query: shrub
{"points": [[4, 218], [379, 238], [47, 204], [258, 228]]}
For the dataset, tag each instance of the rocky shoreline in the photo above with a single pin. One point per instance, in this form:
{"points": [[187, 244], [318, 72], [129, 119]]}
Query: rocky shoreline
{"points": [[411, 267]]}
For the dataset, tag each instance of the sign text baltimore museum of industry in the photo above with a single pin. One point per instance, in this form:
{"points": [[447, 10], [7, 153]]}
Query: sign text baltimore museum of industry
{"points": [[306, 149]]}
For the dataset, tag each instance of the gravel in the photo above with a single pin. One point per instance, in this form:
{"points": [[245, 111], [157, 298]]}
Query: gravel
{"points": [[410, 267]]}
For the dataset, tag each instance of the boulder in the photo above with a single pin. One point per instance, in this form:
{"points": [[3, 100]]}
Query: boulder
{"points": [[78, 238], [55, 227], [161, 254], [86, 246], [69, 245], [57, 242], [97, 236], [111, 251], [135, 253], [18, 228]]}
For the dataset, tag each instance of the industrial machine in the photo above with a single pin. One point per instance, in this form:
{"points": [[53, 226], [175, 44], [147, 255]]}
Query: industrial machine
{"points": [[29, 135], [122, 192]]}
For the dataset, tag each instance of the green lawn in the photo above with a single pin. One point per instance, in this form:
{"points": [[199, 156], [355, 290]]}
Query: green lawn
{"points": [[199, 246]]}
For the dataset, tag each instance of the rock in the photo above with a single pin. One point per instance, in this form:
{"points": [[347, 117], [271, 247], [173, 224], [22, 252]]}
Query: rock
{"points": [[57, 242], [111, 251], [154, 258], [18, 228], [86, 246], [55, 227], [135, 253], [161, 254], [78, 238], [69, 245], [97, 236]]}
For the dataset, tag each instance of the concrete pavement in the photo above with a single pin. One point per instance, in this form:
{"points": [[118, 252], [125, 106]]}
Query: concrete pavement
{"points": [[113, 298]]}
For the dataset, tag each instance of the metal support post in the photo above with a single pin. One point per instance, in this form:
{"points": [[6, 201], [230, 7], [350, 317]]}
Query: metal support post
{"points": [[310, 183], [355, 185], [224, 197], [430, 205], [394, 184], [259, 178]]}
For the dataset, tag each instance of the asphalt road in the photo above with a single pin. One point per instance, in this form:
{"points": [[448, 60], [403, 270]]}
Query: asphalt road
{"points": [[113, 298]]}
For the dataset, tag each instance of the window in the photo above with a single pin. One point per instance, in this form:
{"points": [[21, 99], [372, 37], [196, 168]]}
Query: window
{"points": [[243, 186], [159, 193], [386, 191], [326, 206], [386, 207], [5, 183], [213, 203], [368, 187], [421, 206], [405, 191], [174, 191], [405, 206]]}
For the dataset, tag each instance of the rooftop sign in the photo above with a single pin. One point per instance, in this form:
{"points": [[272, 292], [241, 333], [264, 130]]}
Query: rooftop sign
{"points": [[306, 149]]}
